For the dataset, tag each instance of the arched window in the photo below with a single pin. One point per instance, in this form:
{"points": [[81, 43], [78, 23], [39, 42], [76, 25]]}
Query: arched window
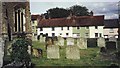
{"points": [[19, 19]]}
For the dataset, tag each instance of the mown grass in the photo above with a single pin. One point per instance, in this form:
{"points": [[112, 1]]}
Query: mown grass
{"points": [[88, 57]]}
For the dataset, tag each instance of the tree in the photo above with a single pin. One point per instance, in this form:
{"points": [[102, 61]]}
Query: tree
{"points": [[78, 10], [57, 13]]}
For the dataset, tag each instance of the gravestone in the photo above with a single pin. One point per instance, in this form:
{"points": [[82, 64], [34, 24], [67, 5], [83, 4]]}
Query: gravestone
{"points": [[49, 41], [82, 43], [1, 51], [101, 42], [29, 50], [42, 39], [103, 50], [111, 45], [34, 38], [72, 52], [70, 41], [35, 52], [53, 52], [60, 41]]}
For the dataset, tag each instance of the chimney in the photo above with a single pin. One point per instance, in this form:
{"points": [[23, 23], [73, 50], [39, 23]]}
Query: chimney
{"points": [[91, 13]]}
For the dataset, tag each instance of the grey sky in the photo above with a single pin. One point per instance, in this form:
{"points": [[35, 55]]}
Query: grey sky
{"points": [[109, 9]]}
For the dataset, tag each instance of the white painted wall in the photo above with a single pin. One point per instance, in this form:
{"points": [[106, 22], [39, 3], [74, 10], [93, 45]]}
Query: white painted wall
{"points": [[92, 31], [111, 32], [57, 31]]}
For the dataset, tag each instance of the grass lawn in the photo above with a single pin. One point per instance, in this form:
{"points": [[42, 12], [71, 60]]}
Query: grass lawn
{"points": [[88, 57]]}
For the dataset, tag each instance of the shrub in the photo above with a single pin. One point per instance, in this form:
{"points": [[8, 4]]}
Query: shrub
{"points": [[19, 51]]}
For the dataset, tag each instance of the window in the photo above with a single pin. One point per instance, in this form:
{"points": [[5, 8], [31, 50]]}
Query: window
{"points": [[96, 34], [46, 34], [41, 29], [67, 33], [87, 34], [111, 31], [19, 19], [68, 28], [41, 33], [78, 34], [78, 27], [33, 21], [53, 28], [100, 34], [53, 34], [60, 33], [61, 28], [96, 27], [87, 27]]}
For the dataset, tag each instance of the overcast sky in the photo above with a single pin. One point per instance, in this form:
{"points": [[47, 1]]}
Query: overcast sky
{"points": [[103, 7]]}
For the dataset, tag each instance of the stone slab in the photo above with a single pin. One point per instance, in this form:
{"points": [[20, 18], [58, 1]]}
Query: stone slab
{"points": [[82, 43], [72, 52], [53, 52]]}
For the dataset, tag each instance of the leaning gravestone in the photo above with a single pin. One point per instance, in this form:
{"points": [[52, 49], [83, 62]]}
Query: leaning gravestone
{"points": [[60, 41], [72, 52], [53, 52], [1, 51], [82, 43], [101, 42], [70, 41]]}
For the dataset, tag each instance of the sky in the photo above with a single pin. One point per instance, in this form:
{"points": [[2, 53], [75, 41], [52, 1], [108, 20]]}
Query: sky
{"points": [[109, 8]]}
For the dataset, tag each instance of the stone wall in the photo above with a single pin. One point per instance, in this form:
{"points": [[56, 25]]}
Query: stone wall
{"points": [[1, 51]]}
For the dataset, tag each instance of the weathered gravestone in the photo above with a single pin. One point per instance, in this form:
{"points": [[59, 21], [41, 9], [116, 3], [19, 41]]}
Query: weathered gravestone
{"points": [[70, 41], [42, 39], [1, 51], [101, 42], [53, 52], [111, 45], [82, 43], [29, 49], [34, 38], [103, 50], [72, 52], [60, 41]]}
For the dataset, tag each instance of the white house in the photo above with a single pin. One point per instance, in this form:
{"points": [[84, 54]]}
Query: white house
{"points": [[111, 28], [55, 31], [69, 27], [96, 31]]}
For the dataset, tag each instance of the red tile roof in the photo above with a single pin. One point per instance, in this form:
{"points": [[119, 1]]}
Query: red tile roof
{"points": [[73, 21], [34, 17]]}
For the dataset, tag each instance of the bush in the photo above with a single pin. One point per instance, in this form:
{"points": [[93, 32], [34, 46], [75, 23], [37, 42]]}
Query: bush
{"points": [[19, 51]]}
